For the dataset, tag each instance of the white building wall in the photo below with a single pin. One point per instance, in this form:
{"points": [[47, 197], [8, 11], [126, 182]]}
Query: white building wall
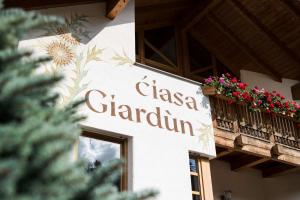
{"points": [[158, 158], [245, 185], [286, 187], [266, 82], [248, 184]]}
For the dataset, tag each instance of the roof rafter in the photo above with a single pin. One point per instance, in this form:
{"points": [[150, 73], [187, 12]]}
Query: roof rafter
{"points": [[197, 14], [243, 46], [241, 164], [114, 7], [276, 171], [262, 28], [224, 59], [288, 5]]}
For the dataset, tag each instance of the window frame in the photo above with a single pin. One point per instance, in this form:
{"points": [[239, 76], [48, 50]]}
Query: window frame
{"points": [[123, 142], [204, 177]]}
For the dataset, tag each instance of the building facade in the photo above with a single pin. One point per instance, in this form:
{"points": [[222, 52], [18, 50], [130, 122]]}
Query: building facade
{"points": [[140, 66]]}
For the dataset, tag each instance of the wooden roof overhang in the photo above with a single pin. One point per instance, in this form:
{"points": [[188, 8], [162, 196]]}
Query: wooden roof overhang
{"points": [[256, 35], [113, 8], [261, 35]]}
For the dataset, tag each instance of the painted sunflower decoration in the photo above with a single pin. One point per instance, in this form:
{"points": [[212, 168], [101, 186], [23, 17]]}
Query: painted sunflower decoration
{"points": [[60, 52]]}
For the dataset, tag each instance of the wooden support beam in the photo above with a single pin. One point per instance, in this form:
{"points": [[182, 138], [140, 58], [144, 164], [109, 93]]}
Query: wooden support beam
{"points": [[277, 171], [159, 52], [163, 7], [186, 53], [290, 7], [262, 28], [226, 61], [246, 163], [153, 24], [200, 70], [224, 153], [244, 46], [143, 3], [197, 14], [114, 7], [296, 91], [38, 4]]}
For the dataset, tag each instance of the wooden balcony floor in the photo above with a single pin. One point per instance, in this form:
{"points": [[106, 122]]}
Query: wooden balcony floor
{"points": [[255, 139], [245, 152]]}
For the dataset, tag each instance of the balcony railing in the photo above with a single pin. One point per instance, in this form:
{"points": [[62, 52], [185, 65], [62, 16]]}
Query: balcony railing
{"points": [[238, 118]]}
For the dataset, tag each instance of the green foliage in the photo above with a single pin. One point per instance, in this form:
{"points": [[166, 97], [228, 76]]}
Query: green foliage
{"points": [[37, 137]]}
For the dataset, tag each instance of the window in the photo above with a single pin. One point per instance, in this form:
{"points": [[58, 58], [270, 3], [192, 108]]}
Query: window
{"points": [[168, 49], [96, 150], [200, 178], [158, 48]]}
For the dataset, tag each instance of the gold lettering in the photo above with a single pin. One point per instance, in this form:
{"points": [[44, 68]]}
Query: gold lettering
{"points": [[183, 123], [138, 112], [126, 114], [138, 88], [178, 97], [191, 103], [88, 103], [156, 116], [165, 95], [168, 125]]}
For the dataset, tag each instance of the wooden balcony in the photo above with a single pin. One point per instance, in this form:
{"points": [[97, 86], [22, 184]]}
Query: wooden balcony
{"points": [[270, 143]]}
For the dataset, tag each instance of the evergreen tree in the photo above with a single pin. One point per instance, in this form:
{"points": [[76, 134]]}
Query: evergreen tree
{"points": [[35, 136]]}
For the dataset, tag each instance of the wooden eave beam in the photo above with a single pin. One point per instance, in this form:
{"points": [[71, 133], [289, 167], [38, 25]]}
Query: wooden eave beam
{"points": [[38, 4], [262, 28], [245, 47], [277, 171], [163, 7], [225, 153], [196, 14], [220, 57], [114, 7], [290, 7], [242, 164], [296, 91]]}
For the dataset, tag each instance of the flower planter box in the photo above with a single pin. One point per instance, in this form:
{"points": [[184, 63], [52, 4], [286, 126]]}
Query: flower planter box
{"points": [[209, 90]]}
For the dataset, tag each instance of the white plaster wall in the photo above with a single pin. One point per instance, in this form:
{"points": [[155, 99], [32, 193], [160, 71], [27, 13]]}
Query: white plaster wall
{"points": [[248, 184], [285, 187], [245, 185], [266, 82], [158, 158]]}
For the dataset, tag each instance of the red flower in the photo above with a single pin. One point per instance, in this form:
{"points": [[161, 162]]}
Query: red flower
{"points": [[242, 86], [235, 94], [234, 80], [268, 111], [246, 96], [259, 102], [277, 103], [271, 105], [228, 75], [282, 97], [266, 93], [230, 101], [269, 99], [287, 104]]}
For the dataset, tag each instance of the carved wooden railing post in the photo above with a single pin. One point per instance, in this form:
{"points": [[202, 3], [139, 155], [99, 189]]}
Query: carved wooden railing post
{"points": [[236, 121], [237, 118]]}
